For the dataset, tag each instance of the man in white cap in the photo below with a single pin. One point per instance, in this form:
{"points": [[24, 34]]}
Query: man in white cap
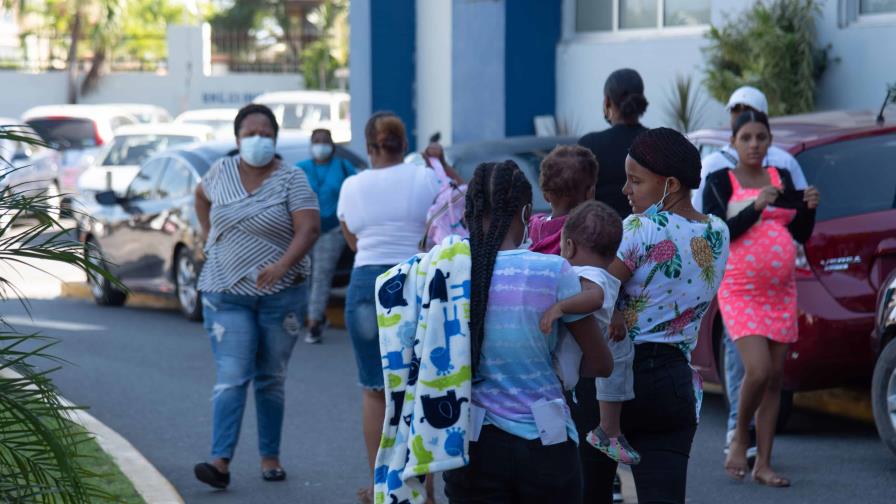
{"points": [[743, 99]]}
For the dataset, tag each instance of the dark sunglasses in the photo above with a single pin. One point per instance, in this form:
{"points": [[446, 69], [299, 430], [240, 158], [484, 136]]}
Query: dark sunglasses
{"points": [[737, 109]]}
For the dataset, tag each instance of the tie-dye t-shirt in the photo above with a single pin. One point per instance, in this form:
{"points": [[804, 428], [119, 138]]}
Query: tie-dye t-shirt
{"points": [[515, 367]]}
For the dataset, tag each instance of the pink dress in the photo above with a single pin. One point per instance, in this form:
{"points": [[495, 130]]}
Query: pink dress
{"points": [[758, 292]]}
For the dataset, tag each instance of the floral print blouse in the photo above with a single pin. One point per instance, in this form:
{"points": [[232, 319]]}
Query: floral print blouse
{"points": [[677, 265]]}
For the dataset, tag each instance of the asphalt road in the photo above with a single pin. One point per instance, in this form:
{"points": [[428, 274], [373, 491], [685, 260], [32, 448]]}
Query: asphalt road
{"points": [[148, 374]]}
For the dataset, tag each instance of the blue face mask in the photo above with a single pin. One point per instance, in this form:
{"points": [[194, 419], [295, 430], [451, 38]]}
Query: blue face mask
{"points": [[257, 151], [658, 206]]}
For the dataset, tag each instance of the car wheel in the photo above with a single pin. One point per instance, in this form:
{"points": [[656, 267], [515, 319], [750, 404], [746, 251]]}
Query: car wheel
{"points": [[883, 395], [187, 278], [104, 293]]}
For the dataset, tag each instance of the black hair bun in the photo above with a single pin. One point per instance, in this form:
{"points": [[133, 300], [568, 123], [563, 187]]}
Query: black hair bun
{"points": [[633, 105]]}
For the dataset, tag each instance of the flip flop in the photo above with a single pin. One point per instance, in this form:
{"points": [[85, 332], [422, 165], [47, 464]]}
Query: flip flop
{"points": [[775, 481], [211, 476], [275, 474]]}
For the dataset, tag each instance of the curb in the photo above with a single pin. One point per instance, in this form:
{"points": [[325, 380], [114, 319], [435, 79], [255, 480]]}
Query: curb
{"points": [[80, 290], [845, 402], [147, 480]]}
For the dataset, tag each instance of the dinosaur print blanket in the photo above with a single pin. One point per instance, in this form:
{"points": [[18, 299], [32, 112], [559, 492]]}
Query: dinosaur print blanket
{"points": [[423, 309]]}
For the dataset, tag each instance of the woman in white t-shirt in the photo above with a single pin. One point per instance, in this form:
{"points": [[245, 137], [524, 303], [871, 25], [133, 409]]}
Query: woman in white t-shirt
{"points": [[383, 214]]}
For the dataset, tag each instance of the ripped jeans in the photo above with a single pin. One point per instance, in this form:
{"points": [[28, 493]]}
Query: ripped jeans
{"points": [[252, 339]]}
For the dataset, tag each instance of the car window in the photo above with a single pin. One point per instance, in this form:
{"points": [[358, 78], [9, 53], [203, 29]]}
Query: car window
{"points": [[528, 161], [66, 132], [177, 180], [842, 172], [707, 149], [304, 115], [134, 149], [144, 185], [344, 110]]}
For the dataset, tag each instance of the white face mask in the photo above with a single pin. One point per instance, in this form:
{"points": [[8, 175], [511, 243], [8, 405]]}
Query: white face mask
{"points": [[257, 151], [321, 151], [527, 240]]}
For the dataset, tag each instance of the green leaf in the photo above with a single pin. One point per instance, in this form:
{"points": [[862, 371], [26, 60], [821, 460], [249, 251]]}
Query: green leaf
{"points": [[672, 267]]}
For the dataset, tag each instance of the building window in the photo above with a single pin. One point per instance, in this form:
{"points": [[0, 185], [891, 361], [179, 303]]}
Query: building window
{"points": [[877, 6], [612, 15], [594, 15]]}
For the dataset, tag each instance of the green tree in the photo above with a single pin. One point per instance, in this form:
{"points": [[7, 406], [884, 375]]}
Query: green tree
{"points": [[771, 46], [40, 460], [323, 56], [96, 28]]}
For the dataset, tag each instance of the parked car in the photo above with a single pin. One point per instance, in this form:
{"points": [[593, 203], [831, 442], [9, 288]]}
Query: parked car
{"points": [[526, 151], [26, 168], [845, 272], [77, 133], [117, 164], [145, 114], [150, 238], [219, 119], [307, 110]]}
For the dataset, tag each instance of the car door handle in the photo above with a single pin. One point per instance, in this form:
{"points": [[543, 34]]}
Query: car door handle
{"points": [[886, 247]]}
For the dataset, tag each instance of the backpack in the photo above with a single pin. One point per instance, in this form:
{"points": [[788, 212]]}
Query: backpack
{"points": [[445, 216]]}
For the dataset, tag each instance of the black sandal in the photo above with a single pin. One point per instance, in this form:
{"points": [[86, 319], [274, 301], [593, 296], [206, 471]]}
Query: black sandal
{"points": [[210, 475], [276, 474]]}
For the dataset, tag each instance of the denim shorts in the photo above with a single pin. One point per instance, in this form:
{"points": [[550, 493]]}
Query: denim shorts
{"points": [[360, 319]]}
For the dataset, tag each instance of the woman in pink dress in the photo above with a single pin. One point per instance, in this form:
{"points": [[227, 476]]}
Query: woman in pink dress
{"points": [[757, 298]]}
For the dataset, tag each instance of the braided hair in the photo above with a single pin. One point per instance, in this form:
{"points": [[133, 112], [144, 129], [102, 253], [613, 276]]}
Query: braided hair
{"points": [[497, 193]]}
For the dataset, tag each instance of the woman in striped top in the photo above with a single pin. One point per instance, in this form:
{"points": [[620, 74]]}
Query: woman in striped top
{"points": [[260, 219]]}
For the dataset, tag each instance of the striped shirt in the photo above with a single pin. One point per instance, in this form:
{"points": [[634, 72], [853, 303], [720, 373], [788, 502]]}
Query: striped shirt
{"points": [[251, 231]]}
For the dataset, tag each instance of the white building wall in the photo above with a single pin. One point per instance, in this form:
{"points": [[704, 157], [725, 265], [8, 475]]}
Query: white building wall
{"points": [[434, 70], [186, 85], [584, 61]]}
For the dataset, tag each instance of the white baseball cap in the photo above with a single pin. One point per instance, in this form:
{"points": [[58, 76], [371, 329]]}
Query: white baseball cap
{"points": [[749, 96]]}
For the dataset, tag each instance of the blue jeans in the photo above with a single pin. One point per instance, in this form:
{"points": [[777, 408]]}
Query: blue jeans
{"points": [[734, 376], [252, 339], [360, 319]]}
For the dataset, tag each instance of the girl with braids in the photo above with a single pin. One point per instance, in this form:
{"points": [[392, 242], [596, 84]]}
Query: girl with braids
{"points": [[382, 212], [670, 264], [526, 448]]}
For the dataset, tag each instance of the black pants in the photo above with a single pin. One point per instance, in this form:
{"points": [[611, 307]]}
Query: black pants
{"points": [[660, 422], [507, 469]]}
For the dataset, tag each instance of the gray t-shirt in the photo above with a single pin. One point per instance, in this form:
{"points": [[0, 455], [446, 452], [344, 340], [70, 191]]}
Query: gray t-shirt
{"points": [[250, 231]]}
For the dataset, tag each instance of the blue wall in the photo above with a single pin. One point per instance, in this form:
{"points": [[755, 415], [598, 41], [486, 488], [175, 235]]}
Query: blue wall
{"points": [[477, 70], [533, 29], [392, 60]]}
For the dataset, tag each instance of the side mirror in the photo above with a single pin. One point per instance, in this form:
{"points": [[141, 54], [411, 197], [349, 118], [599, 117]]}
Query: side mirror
{"points": [[108, 198]]}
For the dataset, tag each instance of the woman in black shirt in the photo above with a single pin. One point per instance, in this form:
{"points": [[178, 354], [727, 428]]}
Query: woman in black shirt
{"points": [[624, 104]]}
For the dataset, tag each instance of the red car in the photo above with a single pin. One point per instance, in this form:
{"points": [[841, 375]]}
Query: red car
{"points": [[846, 272]]}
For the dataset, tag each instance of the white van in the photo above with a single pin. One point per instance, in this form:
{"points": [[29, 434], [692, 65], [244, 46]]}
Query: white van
{"points": [[308, 110]]}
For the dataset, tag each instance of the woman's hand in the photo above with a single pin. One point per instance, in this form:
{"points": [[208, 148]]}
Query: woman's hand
{"points": [[269, 276], [617, 330], [434, 150], [812, 197], [766, 197]]}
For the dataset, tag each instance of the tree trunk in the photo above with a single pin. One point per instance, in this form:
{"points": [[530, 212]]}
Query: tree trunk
{"points": [[91, 80], [73, 57]]}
